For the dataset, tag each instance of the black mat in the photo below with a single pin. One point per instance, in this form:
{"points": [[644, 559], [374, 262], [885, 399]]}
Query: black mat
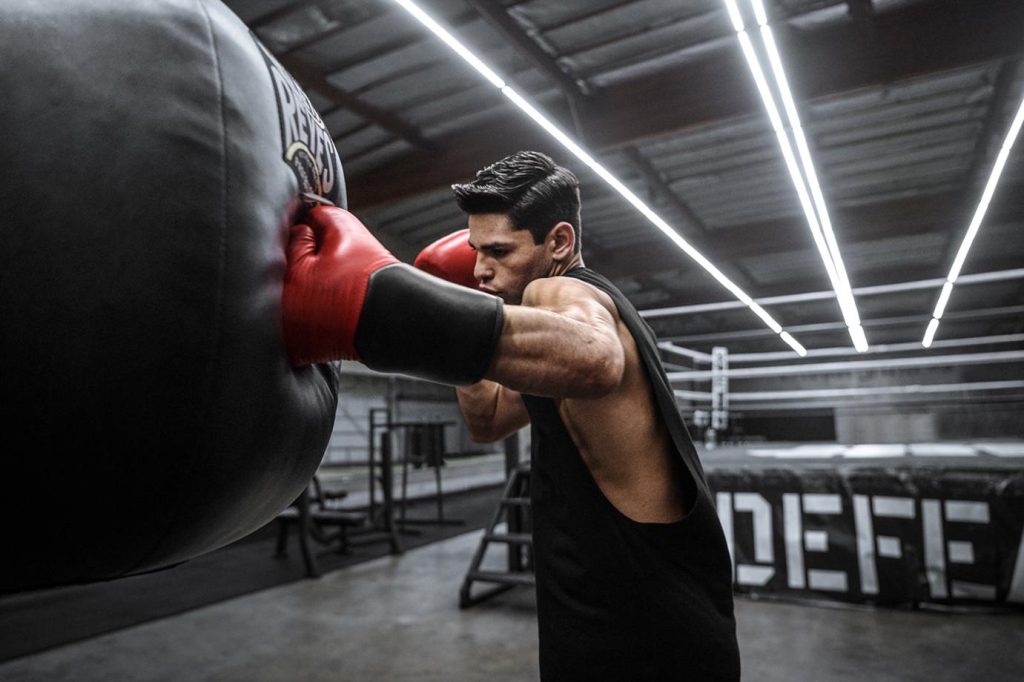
{"points": [[913, 502], [31, 622]]}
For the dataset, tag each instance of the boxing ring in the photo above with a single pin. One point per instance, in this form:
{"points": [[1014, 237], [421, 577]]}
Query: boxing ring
{"points": [[929, 523]]}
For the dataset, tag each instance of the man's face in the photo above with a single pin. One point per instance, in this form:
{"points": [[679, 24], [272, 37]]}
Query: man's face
{"points": [[506, 259]]}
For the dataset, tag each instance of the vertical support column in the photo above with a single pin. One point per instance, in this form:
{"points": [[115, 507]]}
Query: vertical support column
{"points": [[719, 393], [513, 513], [372, 430], [387, 486], [511, 454]]}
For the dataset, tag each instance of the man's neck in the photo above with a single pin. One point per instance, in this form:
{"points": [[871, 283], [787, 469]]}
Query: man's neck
{"points": [[559, 269]]}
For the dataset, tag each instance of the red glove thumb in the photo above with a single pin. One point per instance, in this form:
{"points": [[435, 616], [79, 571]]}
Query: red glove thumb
{"points": [[301, 251], [450, 258]]}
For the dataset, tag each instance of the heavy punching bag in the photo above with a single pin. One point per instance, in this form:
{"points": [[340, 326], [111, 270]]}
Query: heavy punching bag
{"points": [[154, 156]]}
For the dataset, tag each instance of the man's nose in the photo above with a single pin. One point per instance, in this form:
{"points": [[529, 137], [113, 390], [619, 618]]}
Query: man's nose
{"points": [[481, 271]]}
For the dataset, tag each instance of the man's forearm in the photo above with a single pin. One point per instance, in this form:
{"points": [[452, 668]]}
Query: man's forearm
{"points": [[492, 411], [479, 404]]}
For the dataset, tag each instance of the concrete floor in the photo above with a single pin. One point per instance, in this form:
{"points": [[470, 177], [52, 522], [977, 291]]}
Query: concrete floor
{"points": [[396, 619]]}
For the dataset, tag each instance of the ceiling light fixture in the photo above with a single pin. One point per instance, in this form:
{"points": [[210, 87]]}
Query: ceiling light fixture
{"points": [[580, 153], [808, 190], [975, 225]]}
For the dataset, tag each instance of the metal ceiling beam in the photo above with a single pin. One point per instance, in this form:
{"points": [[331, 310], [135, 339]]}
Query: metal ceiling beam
{"points": [[992, 132], [861, 224], [313, 79], [917, 39], [494, 14], [914, 40], [402, 37], [993, 129], [660, 188], [603, 40], [586, 14]]}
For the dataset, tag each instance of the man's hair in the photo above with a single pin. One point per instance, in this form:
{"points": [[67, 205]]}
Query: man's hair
{"points": [[530, 189]]}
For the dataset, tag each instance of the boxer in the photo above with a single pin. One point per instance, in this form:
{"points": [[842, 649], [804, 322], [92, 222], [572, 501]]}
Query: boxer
{"points": [[633, 573]]}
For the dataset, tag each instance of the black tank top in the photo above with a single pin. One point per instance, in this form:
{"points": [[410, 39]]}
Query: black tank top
{"points": [[618, 599]]}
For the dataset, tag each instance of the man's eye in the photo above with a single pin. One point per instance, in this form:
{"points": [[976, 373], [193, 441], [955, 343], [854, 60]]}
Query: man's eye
{"points": [[498, 253]]}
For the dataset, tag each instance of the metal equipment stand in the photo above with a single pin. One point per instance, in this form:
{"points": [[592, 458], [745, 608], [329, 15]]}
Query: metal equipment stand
{"points": [[514, 505], [423, 443]]}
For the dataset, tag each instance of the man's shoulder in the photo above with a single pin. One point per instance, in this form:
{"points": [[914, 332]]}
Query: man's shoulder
{"points": [[562, 290]]}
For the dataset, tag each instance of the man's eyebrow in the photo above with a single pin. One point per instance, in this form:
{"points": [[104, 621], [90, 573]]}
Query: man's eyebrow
{"points": [[491, 245]]}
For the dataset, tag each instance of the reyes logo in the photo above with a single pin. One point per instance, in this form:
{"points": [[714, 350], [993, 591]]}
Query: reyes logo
{"points": [[306, 143]]}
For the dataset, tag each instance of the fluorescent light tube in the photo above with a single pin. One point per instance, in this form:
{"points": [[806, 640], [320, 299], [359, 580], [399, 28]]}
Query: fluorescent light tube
{"points": [[975, 225], [602, 172], [804, 177]]}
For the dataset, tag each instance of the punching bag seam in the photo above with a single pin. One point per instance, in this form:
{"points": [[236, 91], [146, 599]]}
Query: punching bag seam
{"points": [[203, 412]]}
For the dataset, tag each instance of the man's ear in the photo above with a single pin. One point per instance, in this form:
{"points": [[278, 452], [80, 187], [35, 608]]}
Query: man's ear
{"points": [[562, 241]]}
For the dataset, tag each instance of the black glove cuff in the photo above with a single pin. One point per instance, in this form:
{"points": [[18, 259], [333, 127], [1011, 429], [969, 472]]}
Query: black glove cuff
{"points": [[414, 323]]}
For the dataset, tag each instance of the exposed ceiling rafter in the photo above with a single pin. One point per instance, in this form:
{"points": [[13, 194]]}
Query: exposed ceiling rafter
{"points": [[900, 218], [920, 39], [310, 77], [989, 136], [497, 18]]}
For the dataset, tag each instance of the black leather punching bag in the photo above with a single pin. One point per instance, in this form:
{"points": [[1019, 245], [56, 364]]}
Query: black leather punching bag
{"points": [[153, 155]]}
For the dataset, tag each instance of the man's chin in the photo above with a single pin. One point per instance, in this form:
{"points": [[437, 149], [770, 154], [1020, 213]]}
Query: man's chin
{"points": [[504, 296]]}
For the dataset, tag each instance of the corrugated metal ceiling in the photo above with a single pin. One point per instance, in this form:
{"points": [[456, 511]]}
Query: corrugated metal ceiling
{"points": [[884, 153]]}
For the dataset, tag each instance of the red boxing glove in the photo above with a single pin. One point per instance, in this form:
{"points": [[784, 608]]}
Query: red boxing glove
{"points": [[347, 298], [330, 261], [451, 258]]}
